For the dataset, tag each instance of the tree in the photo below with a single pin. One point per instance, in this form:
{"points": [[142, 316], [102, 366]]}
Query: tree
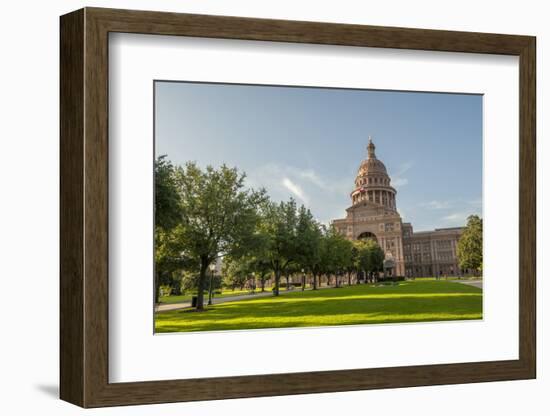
{"points": [[279, 228], [376, 257], [236, 272], [167, 197], [370, 257], [169, 258], [352, 264], [258, 258], [189, 280], [328, 253], [342, 254], [308, 251], [291, 269], [167, 214], [218, 216], [470, 245], [262, 271]]}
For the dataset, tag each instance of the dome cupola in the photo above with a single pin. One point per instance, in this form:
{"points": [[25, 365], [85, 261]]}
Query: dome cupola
{"points": [[372, 182]]}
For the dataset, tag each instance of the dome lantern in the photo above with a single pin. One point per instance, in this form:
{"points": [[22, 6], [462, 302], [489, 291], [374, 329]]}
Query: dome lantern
{"points": [[370, 149]]}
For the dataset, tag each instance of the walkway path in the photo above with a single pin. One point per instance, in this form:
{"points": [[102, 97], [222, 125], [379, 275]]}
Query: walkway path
{"points": [[164, 307], [475, 283]]}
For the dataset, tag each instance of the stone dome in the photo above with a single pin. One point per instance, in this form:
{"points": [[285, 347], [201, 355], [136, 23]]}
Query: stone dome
{"points": [[372, 166], [372, 182]]}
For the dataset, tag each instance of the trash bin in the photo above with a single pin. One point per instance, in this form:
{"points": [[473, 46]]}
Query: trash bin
{"points": [[194, 301]]}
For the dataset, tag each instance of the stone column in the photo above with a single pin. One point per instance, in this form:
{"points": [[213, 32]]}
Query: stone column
{"points": [[398, 250]]}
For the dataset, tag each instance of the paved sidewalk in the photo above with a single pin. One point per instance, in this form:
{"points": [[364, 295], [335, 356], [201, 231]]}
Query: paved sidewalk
{"points": [[165, 307], [475, 283]]}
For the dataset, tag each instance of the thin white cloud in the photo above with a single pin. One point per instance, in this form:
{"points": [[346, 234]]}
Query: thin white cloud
{"points": [[274, 174], [436, 204], [476, 202], [406, 166], [397, 179], [296, 190], [399, 182], [455, 219], [341, 187], [311, 176], [327, 197]]}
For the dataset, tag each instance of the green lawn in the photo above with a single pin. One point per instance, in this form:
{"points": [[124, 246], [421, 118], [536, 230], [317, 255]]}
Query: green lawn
{"points": [[410, 301]]}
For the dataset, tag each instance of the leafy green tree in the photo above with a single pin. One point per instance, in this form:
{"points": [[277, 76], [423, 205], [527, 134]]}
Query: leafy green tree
{"points": [[236, 272], [376, 257], [470, 245], [219, 216], [308, 251], [352, 265], [169, 258], [370, 257], [279, 228], [292, 269], [341, 254], [258, 258], [167, 197], [167, 214], [262, 271], [189, 280], [328, 253], [362, 259]]}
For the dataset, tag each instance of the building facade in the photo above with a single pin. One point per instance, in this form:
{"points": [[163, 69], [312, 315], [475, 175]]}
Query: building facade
{"points": [[373, 214]]}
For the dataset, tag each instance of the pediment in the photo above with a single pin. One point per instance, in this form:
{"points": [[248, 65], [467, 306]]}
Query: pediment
{"points": [[366, 209]]}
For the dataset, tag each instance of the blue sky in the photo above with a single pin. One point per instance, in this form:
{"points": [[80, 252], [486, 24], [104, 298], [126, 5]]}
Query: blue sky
{"points": [[307, 143]]}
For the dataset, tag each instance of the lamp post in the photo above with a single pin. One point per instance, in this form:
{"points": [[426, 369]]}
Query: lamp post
{"points": [[303, 280], [212, 269]]}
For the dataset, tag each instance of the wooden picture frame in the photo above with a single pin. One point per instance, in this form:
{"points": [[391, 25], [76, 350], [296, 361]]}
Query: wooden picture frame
{"points": [[84, 207]]}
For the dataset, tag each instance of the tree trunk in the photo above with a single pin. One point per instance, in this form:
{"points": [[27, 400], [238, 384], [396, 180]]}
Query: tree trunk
{"points": [[210, 289], [157, 287], [202, 278], [314, 281], [287, 277], [277, 280], [349, 278]]}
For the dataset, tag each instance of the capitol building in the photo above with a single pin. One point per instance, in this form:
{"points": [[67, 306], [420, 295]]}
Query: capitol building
{"points": [[373, 214]]}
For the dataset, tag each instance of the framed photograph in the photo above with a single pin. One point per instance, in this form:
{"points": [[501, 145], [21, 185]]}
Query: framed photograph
{"points": [[255, 207]]}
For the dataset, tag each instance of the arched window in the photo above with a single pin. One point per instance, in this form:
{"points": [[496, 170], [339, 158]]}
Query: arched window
{"points": [[367, 235]]}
